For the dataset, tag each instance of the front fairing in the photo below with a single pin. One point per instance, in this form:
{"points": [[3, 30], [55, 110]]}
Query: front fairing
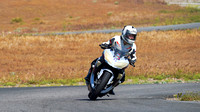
{"points": [[116, 58]]}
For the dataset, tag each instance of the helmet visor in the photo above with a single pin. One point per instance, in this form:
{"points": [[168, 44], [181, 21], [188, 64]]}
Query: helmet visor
{"points": [[131, 36]]}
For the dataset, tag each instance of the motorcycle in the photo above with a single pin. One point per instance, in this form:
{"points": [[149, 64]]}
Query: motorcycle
{"points": [[109, 73]]}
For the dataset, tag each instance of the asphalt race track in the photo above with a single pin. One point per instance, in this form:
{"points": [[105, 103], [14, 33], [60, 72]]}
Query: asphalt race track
{"points": [[128, 98]]}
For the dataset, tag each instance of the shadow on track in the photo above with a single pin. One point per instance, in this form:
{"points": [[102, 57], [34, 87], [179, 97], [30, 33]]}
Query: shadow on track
{"points": [[95, 100]]}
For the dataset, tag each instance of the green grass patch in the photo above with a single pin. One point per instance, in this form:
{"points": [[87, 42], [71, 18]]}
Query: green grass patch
{"points": [[159, 77], [188, 96], [183, 10], [178, 77], [191, 96], [43, 82], [189, 15], [196, 76], [182, 20], [9, 84]]}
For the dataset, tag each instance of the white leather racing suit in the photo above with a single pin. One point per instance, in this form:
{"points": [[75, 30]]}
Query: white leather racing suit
{"points": [[119, 43]]}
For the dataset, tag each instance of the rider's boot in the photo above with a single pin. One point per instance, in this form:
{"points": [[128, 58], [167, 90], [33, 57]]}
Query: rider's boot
{"points": [[111, 92], [87, 78]]}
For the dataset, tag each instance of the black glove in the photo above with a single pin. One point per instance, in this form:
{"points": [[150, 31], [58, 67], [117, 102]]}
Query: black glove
{"points": [[105, 46], [132, 62]]}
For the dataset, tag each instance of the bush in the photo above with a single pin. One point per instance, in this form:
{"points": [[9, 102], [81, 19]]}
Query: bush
{"points": [[109, 13], [116, 3], [37, 19], [16, 20]]}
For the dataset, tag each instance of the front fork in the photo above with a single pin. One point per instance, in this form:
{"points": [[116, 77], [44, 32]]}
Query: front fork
{"points": [[95, 69]]}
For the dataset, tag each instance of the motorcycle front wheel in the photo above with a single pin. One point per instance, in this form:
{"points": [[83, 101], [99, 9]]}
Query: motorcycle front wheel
{"points": [[102, 83]]}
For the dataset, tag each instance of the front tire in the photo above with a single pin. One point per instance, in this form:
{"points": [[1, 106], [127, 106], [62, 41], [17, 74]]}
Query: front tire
{"points": [[103, 82]]}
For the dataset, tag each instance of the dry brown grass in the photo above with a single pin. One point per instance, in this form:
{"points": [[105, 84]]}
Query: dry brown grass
{"points": [[70, 15], [168, 51], [27, 58]]}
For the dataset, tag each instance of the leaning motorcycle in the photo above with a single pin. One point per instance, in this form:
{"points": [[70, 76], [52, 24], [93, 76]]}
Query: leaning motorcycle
{"points": [[109, 74]]}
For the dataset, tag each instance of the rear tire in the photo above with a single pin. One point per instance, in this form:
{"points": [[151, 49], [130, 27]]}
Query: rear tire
{"points": [[104, 80]]}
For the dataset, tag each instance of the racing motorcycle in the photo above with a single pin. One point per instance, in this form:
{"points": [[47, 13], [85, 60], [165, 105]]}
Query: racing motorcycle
{"points": [[109, 73]]}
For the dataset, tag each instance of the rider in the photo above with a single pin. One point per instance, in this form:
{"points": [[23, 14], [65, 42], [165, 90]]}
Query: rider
{"points": [[125, 42]]}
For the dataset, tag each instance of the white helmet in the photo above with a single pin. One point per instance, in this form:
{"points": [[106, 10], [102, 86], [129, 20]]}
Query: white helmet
{"points": [[127, 32]]}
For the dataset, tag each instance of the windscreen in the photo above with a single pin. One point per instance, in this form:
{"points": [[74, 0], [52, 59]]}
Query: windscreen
{"points": [[119, 53]]}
